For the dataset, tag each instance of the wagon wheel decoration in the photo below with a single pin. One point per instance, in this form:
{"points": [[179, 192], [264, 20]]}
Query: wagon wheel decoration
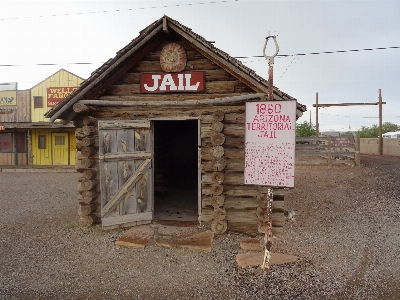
{"points": [[173, 58]]}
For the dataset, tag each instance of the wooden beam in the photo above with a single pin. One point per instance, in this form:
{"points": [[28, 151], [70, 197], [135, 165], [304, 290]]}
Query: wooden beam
{"points": [[346, 104], [126, 188], [165, 25], [215, 101]]}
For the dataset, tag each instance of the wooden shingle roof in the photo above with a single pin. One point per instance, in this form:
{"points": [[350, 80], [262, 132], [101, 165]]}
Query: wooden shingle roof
{"points": [[115, 67]]}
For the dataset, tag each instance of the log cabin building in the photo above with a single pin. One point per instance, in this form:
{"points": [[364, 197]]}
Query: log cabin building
{"points": [[160, 134]]}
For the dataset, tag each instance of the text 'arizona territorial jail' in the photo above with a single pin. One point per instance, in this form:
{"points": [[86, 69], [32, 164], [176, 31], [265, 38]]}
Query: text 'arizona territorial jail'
{"points": [[172, 82], [269, 119]]}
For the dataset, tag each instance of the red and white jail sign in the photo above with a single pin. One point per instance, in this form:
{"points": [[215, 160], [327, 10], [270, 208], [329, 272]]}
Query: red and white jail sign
{"points": [[172, 82], [270, 141]]}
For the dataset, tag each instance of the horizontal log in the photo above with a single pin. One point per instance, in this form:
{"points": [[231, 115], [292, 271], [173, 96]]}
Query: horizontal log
{"points": [[87, 174], [87, 221], [91, 141], [88, 151], [219, 226], [235, 118], [234, 130], [151, 97], [236, 154], [213, 190], [87, 185], [276, 231], [89, 120], [213, 178], [234, 178], [212, 200], [85, 199], [240, 191], [226, 87], [80, 108], [211, 101], [86, 209], [234, 142], [89, 130], [246, 203], [276, 191], [217, 126], [250, 216], [208, 215], [234, 165], [88, 162], [244, 227], [79, 134]]}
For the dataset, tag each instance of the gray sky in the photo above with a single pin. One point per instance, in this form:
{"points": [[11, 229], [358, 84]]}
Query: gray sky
{"points": [[69, 32]]}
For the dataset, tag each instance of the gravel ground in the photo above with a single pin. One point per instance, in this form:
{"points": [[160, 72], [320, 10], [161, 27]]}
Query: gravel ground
{"points": [[346, 234]]}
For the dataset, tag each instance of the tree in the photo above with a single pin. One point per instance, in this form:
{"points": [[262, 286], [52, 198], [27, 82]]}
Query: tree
{"points": [[305, 129], [373, 131]]}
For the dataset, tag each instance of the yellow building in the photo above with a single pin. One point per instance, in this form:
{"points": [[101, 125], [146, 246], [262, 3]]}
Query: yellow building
{"points": [[52, 143]]}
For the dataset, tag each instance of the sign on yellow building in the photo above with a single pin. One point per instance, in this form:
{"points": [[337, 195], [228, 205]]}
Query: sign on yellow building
{"points": [[8, 98]]}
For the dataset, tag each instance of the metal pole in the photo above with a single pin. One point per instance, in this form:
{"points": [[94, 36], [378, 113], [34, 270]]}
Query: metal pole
{"points": [[316, 116], [380, 150], [270, 195]]}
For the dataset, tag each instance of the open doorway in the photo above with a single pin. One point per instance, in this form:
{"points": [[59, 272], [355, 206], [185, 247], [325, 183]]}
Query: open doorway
{"points": [[176, 170]]}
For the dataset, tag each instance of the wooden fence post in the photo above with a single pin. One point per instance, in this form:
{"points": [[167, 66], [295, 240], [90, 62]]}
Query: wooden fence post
{"points": [[329, 150]]}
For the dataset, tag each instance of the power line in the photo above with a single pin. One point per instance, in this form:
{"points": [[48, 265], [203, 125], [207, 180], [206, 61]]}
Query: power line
{"points": [[237, 57], [324, 52], [120, 10]]}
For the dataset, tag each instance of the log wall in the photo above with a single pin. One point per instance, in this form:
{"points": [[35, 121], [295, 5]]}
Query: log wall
{"points": [[226, 204]]}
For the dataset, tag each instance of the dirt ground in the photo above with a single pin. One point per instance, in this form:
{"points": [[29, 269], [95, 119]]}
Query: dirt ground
{"points": [[345, 233]]}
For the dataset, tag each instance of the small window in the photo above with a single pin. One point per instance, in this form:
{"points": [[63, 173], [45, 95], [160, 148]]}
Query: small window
{"points": [[5, 142], [59, 140], [42, 142], [38, 101]]}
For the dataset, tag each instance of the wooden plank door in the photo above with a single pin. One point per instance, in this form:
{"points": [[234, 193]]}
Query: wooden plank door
{"points": [[126, 172], [60, 148]]}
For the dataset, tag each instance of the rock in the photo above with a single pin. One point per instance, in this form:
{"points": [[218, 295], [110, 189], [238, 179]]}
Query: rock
{"points": [[137, 236], [251, 245]]}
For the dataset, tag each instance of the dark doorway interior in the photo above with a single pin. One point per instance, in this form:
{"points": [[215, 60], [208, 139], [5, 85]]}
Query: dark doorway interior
{"points": [[176, 170]]}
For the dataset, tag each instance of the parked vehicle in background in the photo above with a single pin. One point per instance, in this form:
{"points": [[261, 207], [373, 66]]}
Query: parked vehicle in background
{"points": [[393, 135]]}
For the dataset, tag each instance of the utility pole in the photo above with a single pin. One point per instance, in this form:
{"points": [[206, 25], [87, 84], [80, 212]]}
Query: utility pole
{"points": [[380, 149], [316, 116]]}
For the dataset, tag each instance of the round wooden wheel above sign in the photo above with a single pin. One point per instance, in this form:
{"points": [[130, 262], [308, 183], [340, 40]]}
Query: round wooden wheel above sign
{"points": [[173, 58]]}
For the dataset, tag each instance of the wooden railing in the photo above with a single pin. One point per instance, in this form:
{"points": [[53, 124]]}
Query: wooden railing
{"points": [[328, 150]]}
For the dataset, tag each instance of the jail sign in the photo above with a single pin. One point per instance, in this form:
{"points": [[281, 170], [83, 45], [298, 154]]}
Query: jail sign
{"points": [[172, 82], [270, 140]]}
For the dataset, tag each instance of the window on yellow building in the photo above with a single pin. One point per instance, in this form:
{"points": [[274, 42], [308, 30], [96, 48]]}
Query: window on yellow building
{"points": [[38, 102], [42, 142], [59, 140]]}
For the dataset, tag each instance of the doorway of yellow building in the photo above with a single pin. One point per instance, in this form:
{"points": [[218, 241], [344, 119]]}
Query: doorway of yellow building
{"points": [[60, 148]]}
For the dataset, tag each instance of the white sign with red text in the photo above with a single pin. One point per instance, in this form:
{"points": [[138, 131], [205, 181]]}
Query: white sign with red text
{"points": [[270, 141], [172, 82]]}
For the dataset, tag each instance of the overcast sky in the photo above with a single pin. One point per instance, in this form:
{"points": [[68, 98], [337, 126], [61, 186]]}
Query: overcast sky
{"points": [[70, 34]]}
